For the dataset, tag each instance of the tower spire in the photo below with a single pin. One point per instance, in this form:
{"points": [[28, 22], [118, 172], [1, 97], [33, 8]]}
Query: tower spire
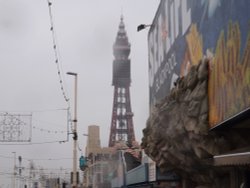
{"points": [[122, 128]]}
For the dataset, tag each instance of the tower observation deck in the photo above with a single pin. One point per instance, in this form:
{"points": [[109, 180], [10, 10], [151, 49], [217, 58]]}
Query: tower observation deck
{"points": [[122, 128]]}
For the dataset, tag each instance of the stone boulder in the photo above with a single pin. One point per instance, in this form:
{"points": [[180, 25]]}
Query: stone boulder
{"points": [[177, 133]]}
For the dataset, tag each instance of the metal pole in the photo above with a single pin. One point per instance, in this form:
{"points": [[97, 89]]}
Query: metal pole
{"points": [[14, 171], [20, 172], [74, 183], [30, 180], [75, 137]]}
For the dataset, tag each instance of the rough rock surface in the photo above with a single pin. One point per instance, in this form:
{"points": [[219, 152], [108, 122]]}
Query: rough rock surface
{"points": [[177, 134]]}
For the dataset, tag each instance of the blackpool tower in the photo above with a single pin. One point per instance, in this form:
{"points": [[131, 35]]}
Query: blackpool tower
{"points": [[122, 128]]}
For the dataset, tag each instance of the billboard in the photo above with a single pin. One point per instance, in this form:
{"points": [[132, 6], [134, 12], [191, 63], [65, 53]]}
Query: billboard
{"points": [[183, 32]]}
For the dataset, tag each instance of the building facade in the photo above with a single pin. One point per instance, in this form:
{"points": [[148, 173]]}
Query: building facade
{"points": [[199, 67]]}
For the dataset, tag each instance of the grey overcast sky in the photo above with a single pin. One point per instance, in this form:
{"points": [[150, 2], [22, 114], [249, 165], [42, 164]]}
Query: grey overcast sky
{"points": [[85, 32]]}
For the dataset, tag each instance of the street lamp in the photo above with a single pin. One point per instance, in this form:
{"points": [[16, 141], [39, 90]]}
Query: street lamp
{"points": [[142, 26], [74, 178]]}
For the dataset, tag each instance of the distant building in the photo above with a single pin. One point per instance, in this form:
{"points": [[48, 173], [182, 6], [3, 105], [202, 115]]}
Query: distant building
{"points": [[93, 141], [97, 173]]}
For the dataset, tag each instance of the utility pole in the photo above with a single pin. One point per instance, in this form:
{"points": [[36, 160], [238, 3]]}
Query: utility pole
{"points": [[74, 182], [14, 172], [20, 172], [31, 173]]}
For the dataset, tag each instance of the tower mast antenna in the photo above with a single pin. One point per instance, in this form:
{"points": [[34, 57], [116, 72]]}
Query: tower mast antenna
{"points": [[122, 128]]}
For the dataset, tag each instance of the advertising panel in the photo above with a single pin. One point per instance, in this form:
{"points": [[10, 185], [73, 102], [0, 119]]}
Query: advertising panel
{"points": [[185, 31]]}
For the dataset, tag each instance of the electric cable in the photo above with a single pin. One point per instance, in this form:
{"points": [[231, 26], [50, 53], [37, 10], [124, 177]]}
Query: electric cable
{"points": [[56, 53], [35, 143], [58, 62], [37, 159]]}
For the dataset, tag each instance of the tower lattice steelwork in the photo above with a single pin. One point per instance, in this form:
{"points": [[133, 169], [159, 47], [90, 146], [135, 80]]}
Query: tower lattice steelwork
{"points": [[122, 128]]}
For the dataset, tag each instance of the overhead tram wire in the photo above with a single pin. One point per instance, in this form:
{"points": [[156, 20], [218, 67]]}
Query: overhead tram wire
{"points": [[58, 63], [37, 159], [56, 53], [59, 72], [33, 111], [33, 143]]}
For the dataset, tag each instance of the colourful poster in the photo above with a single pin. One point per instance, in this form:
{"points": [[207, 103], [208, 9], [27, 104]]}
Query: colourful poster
{"points": [[185, 31]]}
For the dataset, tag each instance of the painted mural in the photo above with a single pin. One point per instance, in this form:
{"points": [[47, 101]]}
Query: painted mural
{"points": [[229, 82], [185, 31]]}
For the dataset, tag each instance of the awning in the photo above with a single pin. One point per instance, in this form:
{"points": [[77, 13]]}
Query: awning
{"points": [[233, 159]]}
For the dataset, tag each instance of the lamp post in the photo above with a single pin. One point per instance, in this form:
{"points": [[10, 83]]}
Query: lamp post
{"points": [[74, 178]]}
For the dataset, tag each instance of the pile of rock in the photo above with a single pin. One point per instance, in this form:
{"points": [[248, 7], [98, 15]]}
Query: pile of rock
{"points": [[176, 135]]}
